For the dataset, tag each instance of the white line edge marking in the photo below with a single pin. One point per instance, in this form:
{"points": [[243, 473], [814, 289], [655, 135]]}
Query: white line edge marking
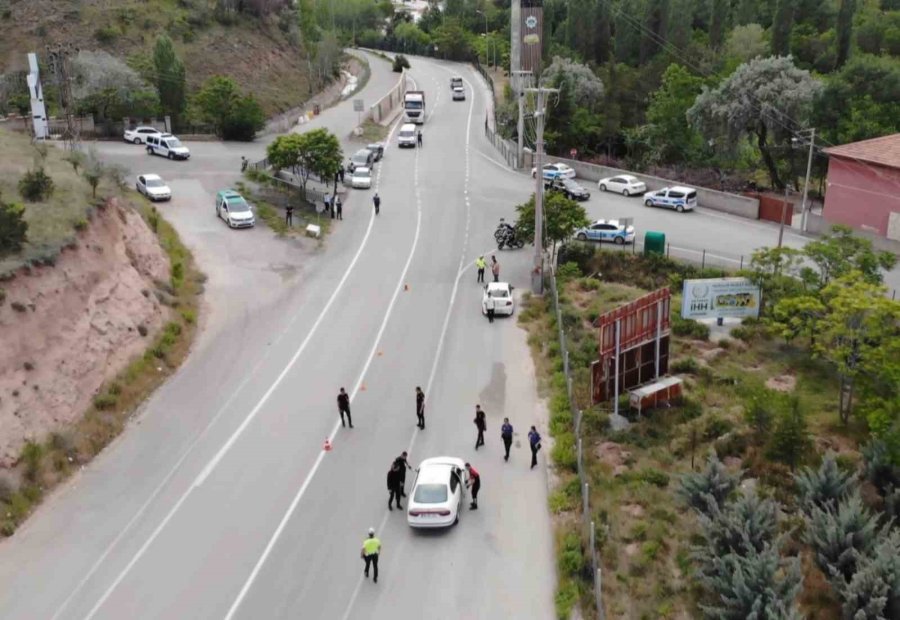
{"points": [[318, 462], [208, 469], [441, 339]]}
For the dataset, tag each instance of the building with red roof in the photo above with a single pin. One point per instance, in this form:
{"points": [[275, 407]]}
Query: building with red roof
{"points": [[863, 186]]}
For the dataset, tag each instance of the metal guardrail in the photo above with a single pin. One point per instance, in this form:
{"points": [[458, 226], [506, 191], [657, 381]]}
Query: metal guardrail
{"points": [[586, 515], [507, 150]]}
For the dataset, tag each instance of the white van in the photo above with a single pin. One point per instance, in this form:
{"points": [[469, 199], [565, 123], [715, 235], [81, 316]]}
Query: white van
{"points": [[167, 145], [407, 135]]}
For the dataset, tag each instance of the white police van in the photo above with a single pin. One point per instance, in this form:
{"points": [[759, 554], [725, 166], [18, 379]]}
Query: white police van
{"points": [[678, 198], [167, 145]]}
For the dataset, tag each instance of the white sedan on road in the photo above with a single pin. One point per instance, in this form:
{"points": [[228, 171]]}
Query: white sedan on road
{"points": [[625, 184], [555, 171], [361, 178], [501, 292], [153, 187], [437, 493], [138, 135]]}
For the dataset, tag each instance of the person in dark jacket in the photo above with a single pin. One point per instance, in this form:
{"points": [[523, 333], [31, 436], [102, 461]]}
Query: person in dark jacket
{"points": [[420, 407], [376, 200], [480, 424], [340, 207], [393, 485], [534, 439], [403, 464], [343, 401], [506, 433]]}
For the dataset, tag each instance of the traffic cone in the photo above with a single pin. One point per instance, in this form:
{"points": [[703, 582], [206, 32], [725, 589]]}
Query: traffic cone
{"points": [[362, 388], [327, 446]]}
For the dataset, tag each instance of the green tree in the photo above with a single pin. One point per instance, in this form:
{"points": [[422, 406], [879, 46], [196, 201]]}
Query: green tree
{"points": [[745, 12], [710, 487], [233, 115], [602, 25], [453, 42], [841, 252], [844, 31], [826, 486], [562, 217], [669, 135], [746, 42], [93, 170], [782, 25], [170, 78], [13, 228], [718, 22], [790, 440], [411, 38], [755, 100], [776, 271], [36, 185], [573, 122], [313, 152]]}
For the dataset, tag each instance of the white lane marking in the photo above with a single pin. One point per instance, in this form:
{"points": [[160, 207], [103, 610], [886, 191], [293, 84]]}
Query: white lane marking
{"points": [[441, 339], [208, 469], [312, 472]]}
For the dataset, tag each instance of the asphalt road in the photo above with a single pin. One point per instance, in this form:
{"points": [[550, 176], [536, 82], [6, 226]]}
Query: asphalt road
{"points": [[219, 502]]}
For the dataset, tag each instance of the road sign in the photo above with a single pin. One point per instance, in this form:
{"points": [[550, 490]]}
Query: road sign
{"points": [[358, 105], [720, 297]]}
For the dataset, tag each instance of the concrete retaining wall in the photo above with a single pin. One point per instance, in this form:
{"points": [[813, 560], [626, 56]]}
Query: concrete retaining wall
{"points": [[382, 109], [743, 206], [818, 225]]}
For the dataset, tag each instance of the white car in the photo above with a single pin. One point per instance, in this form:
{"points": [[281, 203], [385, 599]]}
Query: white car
{"points": [[555, 171], [407, 135], [138, 135], [168, 146], [501, 292], [607, 230], [459, 93], [153, 187], [679, 198], [361, 178], [437, 493], [625, 184], [234, 210]]}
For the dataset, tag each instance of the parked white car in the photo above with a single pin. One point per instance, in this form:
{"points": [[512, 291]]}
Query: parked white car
{"points": [[138, 135], [168, 146], [437, 495], [407, 135], [607, 230], [555, 171], [234, 210], [153, 187], [501, 292], [361, 178], [624, 184], [678, 198]]}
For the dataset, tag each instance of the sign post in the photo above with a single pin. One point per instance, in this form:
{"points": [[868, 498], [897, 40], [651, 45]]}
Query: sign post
{"points": [[358, 107]]}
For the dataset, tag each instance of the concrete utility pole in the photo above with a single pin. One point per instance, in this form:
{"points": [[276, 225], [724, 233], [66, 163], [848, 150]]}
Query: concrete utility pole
{"points": [[803, 206], [537, 273], [521, 79]]}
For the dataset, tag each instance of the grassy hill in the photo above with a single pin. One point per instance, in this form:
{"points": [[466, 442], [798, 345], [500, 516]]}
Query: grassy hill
{"points": [[261, 53]]}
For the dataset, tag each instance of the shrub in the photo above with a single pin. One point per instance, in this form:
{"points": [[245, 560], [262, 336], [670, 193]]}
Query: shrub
{"points": [[567, 272], [18, 306], [563, 452], [177, 274], [689, 328], [28, 366], [105, 401], [106, 34], [571, 557], [400, 63], [687, 365], [566, 597], [743, 333], [743, 527], [142, 329], [581, 253], [826, 486], [759, 413], [654, 477], [790, 440], [35, 185], [80, 224], [874, 590], [712, 484], [117, 174], [879, 467], [189, 316], [32, 456]]}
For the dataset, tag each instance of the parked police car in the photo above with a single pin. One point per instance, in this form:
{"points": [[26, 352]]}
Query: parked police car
{"points": [[677, 197]]}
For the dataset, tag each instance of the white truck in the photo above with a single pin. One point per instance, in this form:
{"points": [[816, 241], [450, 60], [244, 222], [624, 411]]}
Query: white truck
{"points": [[414, 106]]}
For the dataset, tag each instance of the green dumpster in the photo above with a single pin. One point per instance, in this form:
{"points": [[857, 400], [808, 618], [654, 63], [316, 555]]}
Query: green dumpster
{"points": [[654, 243]]}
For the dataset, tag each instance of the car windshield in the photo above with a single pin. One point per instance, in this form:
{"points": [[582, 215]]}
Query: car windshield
{"points": [[430, 494], [173, 143], [154, 183], [413, 105], [238, 205], [571, 184], [361, 172], [500, 293], [409, 133]]}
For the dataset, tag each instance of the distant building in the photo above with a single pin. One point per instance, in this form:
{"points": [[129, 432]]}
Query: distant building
{"points": [[863, 186]]}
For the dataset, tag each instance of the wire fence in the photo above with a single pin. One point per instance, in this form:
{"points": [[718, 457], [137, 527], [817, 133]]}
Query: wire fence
{"points": [[506, 148], [587, 523]]}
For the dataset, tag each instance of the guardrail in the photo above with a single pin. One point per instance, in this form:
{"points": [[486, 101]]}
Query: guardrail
{"points": [[505, 147]]}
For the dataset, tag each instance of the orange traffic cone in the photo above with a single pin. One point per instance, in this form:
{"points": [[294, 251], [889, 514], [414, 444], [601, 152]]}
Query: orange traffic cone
{"points": [[327, 446]]}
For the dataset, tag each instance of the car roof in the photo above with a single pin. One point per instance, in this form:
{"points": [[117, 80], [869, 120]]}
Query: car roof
{"points": [[407, 126], [375, 145], [144, 127], [228, 193], [151, 177], [360, 169], [682, 188], [610, 222], [498, 286], [630, 177], [443, 460], [458, 87], [362, 152]]}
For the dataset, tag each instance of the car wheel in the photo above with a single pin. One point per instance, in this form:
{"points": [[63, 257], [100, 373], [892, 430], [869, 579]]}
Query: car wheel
{"points": [[581, 237], [149, 150], [626, 193], [679, 208], [603, 188], [170, 156], [137, 141], [648, 203], [620, 240]]}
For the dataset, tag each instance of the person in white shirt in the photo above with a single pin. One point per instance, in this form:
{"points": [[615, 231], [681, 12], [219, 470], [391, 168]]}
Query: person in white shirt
{"points": [[490, 305]]}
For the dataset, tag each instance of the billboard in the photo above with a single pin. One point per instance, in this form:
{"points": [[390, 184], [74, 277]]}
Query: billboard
{"points": [[720, 297], [637, 366], [532, 29]]}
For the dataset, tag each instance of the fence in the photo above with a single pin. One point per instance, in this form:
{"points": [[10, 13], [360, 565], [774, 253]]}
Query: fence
{"points": [[288, 181], [507, 149], [382, 108], [586, 514]]}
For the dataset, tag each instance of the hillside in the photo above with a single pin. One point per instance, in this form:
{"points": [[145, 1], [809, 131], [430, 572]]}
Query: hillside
{"points": [[257, 52]]}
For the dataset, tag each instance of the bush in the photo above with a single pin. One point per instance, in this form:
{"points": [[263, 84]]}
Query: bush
{"points": [[654, 477], [689, 328], [566, 597], [790, 440], [18, 306], [106, 34], [32, 456], [35, 185], [712, 485], [13, 228], [400, 63], [826, 486], [743, 333], [687, 365], [142, 329], [567, 272], [105, 401], [581, 253]]}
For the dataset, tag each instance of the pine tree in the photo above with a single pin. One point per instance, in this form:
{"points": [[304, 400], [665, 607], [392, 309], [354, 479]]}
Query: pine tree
{"points": [[879, 467], [709, 487], [743, 527], [874, 590], [790, 438], [826, 486], [170, 77], [782, 25], [844, 31]]}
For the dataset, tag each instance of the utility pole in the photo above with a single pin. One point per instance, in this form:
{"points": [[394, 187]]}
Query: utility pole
{"points": [[803, 206], [784, 208], [537, 273], [59, 58], [521, 78]]}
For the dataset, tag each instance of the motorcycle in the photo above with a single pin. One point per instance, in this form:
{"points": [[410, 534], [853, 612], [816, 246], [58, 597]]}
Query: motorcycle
{"points": [[506, 236]]}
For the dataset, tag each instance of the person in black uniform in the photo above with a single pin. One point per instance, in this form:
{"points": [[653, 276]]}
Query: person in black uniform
{"points": [[420, 407], [402, 464], [343, 401], [393, 485], [480, 424]]}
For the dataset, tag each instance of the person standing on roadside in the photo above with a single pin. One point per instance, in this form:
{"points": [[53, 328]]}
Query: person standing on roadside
{"points": [[480, 265], [289, 215], [376, 200], [370, 549], [393, 485], [340, 208], [475, 484], [419, 138], [506, 433], [343, 401], [402, 465], [495, 268], [490, 307], [480, 424], [341, 173], [420, 407], [534, 439]]}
